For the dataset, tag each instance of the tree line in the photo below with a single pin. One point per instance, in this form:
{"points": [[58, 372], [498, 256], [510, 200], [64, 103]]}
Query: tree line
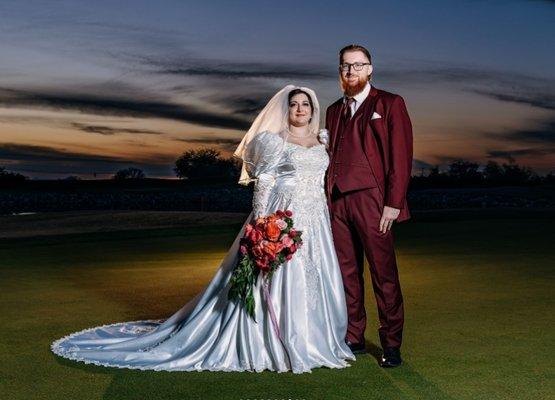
{"points": [[208, 165]]}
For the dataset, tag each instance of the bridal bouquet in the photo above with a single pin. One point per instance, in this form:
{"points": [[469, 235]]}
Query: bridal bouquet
{"points": [[267, 244]]}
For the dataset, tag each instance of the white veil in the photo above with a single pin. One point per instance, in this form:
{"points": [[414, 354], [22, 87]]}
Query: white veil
{"points": [[274, 118]]}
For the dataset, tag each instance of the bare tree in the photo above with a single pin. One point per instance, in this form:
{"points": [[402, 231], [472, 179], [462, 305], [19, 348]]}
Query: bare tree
{"points": [[129, 173]]}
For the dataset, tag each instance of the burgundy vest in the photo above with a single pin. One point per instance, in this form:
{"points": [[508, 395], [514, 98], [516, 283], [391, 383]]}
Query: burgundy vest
{"points": [[349, 168]]}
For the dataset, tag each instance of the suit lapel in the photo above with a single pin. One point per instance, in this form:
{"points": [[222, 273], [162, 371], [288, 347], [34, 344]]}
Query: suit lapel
{"points": [[336, 121], [368, 139]]}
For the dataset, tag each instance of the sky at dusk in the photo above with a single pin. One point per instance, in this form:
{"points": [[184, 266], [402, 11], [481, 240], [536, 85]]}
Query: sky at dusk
{"points": [[95, 86]]}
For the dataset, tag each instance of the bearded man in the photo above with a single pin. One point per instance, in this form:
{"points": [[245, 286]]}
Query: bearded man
{"points": [[370, 166]]}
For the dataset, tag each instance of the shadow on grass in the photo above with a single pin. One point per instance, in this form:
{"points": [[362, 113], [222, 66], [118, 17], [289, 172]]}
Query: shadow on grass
{"points": [[363, 380], [407, 376]]}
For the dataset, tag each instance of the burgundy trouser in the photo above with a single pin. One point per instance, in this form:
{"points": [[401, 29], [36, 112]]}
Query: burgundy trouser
{"points": [[355, 219]]}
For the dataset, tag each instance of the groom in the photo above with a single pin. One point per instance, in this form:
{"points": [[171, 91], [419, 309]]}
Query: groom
{"points": [[370, 148]]}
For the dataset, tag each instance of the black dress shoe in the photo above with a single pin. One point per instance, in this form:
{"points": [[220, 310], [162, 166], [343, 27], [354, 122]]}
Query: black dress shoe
{"points": [[391, 357], [356, 348]]}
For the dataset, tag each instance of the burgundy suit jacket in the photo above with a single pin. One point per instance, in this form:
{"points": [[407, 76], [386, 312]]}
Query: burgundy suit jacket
{"points": [[387, 143]]}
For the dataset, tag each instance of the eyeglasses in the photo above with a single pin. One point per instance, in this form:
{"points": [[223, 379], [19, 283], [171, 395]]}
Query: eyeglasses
{"points": [[356, 66]]}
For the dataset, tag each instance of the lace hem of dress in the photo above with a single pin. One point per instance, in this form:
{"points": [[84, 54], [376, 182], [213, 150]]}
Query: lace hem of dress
{"points": [[57, 349]]}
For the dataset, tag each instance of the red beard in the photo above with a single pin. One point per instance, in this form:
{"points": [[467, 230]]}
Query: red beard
{"points": [[353, 90]]}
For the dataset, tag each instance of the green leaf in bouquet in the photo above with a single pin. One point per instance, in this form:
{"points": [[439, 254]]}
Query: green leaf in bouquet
{"points": [[250, 305]]}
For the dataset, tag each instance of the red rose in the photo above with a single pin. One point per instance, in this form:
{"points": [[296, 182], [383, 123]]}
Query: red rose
{"points": [[243, 249], [292, 233], [262, 263], [280, 213], [289, 213], [257, 251], [254, 235], [293, 248]]}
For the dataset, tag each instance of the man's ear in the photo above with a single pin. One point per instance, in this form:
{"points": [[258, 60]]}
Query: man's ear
{"points": [[370, 69]]}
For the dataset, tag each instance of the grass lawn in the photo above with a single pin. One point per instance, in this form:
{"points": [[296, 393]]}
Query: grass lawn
{"points": [[478, 302]]}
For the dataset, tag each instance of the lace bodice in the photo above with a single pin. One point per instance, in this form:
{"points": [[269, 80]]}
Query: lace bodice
{"points": [[310, 167], [305, 186], [293, 173]]}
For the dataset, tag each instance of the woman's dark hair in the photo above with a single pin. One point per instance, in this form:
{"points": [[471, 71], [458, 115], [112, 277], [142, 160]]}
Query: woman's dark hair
{"points": [[298, 91]]}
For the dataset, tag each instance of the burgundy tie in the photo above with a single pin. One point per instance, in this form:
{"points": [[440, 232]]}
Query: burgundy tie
{"points": [[347, 114]]}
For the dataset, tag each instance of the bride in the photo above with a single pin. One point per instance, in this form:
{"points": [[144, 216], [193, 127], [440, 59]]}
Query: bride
{"points": [[285, 154]]}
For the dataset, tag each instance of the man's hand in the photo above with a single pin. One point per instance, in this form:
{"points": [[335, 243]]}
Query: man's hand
{"points": [[389, 215]]}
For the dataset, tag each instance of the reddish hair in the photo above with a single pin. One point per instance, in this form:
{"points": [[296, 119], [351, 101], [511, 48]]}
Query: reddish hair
{"points": [[355, 47]]}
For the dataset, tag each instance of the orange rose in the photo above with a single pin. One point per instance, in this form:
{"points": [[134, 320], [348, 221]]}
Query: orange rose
{"points": [[273, 248], [272, 231]]}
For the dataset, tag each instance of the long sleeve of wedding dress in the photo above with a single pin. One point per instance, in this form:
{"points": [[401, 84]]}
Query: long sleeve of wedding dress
{"points": [[212, 333], [260, 159]]}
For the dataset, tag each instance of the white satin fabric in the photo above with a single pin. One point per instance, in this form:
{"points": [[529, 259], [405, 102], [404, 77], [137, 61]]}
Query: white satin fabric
{"points": [[274, 117], [212, 333]]}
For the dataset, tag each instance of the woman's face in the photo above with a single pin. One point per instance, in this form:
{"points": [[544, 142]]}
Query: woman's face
{"points": [[299, 110]]}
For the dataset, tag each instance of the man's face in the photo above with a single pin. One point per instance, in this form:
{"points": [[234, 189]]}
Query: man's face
{"points": [[352, 81]]}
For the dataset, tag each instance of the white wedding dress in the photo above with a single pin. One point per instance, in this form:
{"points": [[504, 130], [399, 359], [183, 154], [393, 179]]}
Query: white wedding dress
{"points": [[212, 333]]}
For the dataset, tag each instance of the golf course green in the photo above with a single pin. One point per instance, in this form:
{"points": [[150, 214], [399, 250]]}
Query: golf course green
{"points": [[477, 286]]}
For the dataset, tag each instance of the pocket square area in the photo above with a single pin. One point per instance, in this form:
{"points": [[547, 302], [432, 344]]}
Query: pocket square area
{"points": [[376, 116]]}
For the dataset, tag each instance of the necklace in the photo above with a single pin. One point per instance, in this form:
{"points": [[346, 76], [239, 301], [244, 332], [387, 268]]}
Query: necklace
{"points": [[297, 136]]}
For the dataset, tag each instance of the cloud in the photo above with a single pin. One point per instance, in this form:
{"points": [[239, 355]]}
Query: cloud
{"points": [[48, 160], [106, 130], [228, 144], [188, 66], [465, 75], [212, 140], [118, 106], [24, 152], [499, 85], [543, 133], [537, 99], [239, 100], [238, 70], [510, 155], [241, 88], [247, 105]]}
